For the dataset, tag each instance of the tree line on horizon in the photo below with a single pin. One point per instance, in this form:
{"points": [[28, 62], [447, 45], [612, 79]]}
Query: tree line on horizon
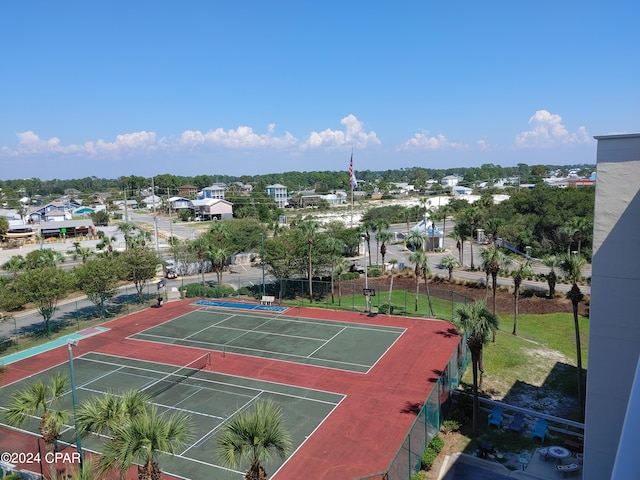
{"points": [[320, 181]]}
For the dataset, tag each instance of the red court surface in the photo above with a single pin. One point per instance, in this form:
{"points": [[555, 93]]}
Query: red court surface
{"points": [[359, 438]]}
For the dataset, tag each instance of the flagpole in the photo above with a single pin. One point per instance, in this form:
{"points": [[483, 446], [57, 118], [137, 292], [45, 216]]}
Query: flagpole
{"points": [[351, 175]]}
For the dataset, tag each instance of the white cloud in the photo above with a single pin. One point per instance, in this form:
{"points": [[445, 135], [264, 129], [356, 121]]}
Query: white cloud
{"points": [[483, 145], [353, 135], [422, 141], [547, 130], [242, 137], [30, 143]]}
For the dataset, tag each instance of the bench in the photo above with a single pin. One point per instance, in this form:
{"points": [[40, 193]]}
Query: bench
{"points": [[574, 445], [570, 468], [267, 300]]}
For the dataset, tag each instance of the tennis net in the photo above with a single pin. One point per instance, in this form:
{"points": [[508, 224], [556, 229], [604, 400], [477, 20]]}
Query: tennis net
{"points": [[178, 376]]}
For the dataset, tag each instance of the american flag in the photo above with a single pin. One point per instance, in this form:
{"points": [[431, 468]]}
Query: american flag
{"points": [[352, 176]]}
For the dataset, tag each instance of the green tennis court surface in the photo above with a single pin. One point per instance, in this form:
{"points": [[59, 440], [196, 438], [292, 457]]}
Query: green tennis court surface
{"points": [[209, 398], [345, 346]]}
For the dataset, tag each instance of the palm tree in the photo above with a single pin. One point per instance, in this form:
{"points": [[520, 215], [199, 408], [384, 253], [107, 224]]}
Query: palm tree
{"points": [[80, 252], [309, 229], [44, 258], [478, 324], [126, 228], [444, 211], [449, 262], [218, 257], [219, 232], [582, 227], [254, 436], [564, 236], [368, 226], [40, 399], [421, 261], [380, 226], [492, 226], [102, 415], [342, 266], [143, 440], [335, 247], [383, 237], [14, 265], [200, 247], [471, 218], [518, 274], [393, 262], [456, 234], [493, 259], [418, 258], [551, 261], [415, 239], [106, 242], [572, 266]]}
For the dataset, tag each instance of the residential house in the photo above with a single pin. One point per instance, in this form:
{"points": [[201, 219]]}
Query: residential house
{"points": [[278, 193], [54, 211], [401, 189], [133, 204], [72, 193], [450, 181], [189, 191], [152, 202], [214, 191], [210, 208], [178, 203], [460, 190]]}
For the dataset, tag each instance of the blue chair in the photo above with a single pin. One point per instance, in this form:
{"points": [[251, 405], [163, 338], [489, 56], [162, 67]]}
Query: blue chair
{"points": [[495, 417], [517, 424], [540, 429]]}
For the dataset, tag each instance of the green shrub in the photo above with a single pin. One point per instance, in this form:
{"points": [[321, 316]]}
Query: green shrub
{"points": [[218, 291], [449, 426], [350, 276], [428, 457], [437, 443], [374, 272], [419, 476], [384, 308], [247, 291]]}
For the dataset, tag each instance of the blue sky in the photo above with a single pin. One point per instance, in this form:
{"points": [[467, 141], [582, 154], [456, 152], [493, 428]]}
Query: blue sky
{"points": [[241, 88]]}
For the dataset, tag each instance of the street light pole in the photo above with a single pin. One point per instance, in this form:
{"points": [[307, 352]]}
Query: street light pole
{"points": [[74, 343], [262, 261]]}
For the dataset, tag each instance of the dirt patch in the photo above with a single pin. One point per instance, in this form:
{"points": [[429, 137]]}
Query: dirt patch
{"points": [[531, 301]]}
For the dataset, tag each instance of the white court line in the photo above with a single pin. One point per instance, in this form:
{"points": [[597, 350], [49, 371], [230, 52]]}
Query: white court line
{"points": [[212, 431], [326, 342], [235, 385], [251, 349]]}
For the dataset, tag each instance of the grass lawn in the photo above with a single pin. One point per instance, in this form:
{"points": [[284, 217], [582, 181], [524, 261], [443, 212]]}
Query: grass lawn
{"points": [[538, 364]]}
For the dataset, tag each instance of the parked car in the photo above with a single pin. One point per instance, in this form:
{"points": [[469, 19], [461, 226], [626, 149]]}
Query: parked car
{"points": [[356, 268], [171, 274]]}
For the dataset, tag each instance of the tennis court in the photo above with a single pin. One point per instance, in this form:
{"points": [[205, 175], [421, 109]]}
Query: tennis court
{"points": [[343, 380], [210, 398], [322, 343]]}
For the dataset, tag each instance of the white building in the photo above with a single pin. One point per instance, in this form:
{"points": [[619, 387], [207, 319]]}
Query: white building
{"points": [[614, 331], [278, 193]]}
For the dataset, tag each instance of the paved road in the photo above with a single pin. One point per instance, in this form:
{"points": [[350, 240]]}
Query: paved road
{"points": [[242, 275]]}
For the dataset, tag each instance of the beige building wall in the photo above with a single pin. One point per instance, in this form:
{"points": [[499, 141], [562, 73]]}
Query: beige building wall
{"points": [[614, 336]]}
